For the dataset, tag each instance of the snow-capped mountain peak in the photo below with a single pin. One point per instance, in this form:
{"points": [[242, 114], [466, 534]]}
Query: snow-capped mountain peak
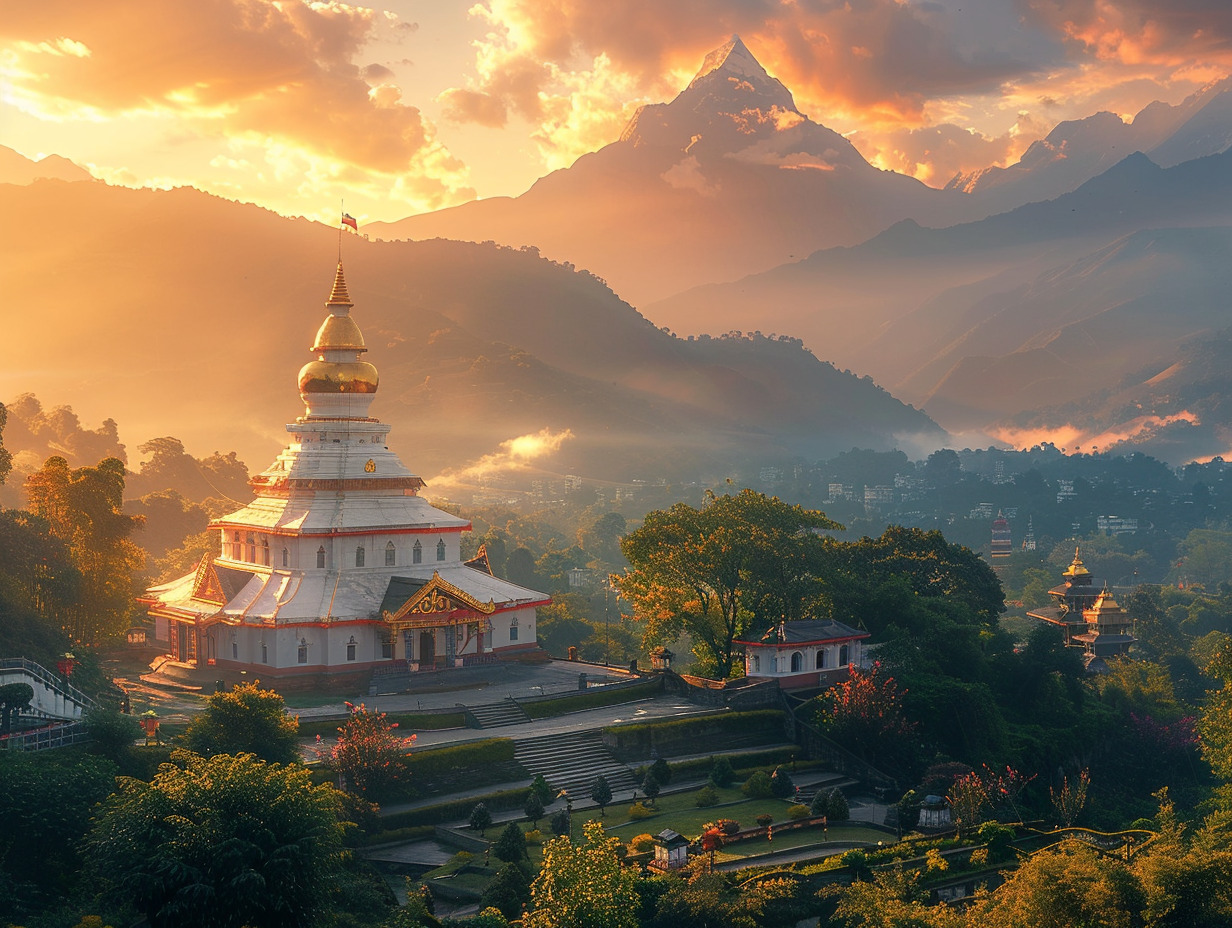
{"points": [[733, 58]]}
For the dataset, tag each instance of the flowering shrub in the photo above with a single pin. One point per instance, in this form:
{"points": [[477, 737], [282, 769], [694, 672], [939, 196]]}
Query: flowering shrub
{"points": [[368, 755], [797, 811], [638, 811], [642, 843]]}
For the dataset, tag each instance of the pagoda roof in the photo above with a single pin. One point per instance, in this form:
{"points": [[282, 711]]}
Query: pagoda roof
{"points": [[326, 514]]}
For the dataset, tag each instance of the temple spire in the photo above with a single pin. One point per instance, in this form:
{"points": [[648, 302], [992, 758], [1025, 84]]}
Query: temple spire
{"points": [[339, 296]]}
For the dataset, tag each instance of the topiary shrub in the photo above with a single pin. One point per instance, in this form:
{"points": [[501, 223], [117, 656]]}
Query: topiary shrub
{"points": [[662, 771], [722, 774], [727, 825], [638, 811], [511, 845], [560, 822], [706, 797], [832, 804], [797, 811], [481, 818], [781, 785], [765, 819], [758, 786], [642, 843]]}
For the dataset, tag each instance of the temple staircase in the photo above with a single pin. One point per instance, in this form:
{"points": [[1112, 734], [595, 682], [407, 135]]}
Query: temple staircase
{"points": [[573, 761], [497, 714]]}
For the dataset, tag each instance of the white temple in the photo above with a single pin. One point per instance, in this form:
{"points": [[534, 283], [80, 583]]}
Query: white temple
{"points": [[338, 567]]}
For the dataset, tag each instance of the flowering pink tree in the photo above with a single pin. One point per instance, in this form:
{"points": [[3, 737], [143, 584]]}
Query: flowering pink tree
{"points": [[368, 755], [865, 713]]}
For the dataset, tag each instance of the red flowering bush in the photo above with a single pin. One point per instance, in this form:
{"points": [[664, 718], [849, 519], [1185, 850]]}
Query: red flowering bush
{"points": [[368, 756]]}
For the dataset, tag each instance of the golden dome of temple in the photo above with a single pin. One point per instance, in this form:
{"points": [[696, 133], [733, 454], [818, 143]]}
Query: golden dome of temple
{"points": [[322, 376], [338, 345]]}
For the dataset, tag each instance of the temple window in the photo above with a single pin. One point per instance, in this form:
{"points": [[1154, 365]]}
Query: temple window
{"points": [[252, 548], [797, 661], [821, 658], [440, 550], [417, 553], [389, 554], [387, 645], [264, 653], [351, 649], [843, 656], [237, 551], [286, 558], [359, 556], [321, 556], [756, 663], [513, 629], [302, 654], [235, 650], [265, 551]]}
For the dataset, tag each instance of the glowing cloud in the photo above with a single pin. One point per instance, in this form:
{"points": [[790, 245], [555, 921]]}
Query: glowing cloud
{"points": [[515, 454]]}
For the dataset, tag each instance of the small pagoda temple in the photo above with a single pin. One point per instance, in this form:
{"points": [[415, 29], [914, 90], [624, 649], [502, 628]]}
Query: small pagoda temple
{"points": [[1078, 592]]}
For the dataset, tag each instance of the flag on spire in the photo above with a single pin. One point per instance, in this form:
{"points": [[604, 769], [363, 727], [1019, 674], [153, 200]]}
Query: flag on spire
{"points": [[349, 220]]}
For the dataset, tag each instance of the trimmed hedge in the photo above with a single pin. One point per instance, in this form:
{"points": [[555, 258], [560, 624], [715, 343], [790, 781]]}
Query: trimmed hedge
{"points": [[742, 764], [591, 699], [408, 723], [455, 810], [692, 735]]}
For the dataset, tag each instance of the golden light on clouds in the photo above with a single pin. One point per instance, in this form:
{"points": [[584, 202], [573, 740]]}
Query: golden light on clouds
{"points": [[398, 105]]}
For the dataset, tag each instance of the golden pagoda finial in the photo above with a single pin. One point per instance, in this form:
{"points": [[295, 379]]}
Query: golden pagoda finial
{"points": [[1076, 569], [339, 296]]}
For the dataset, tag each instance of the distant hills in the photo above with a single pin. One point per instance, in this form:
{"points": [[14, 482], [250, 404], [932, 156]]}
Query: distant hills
{"points": [[178, 313], [16, 168]]}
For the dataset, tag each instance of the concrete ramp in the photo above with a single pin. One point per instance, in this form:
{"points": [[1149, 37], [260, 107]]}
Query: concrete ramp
{"points": [[54, 697]]}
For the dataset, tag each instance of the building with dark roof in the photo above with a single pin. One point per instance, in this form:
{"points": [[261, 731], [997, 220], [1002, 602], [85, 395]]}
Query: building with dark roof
{"points": [[804, 654]]}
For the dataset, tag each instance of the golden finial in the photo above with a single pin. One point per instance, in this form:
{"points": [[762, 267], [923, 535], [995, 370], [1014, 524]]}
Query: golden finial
{"points": [[339, 296]]}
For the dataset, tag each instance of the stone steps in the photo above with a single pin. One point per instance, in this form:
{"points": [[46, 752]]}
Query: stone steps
{"points": [[498, 714], [573, 761]]}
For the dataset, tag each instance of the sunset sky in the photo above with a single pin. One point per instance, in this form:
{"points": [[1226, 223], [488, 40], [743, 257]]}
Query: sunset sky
{"points": [[407, 106]]}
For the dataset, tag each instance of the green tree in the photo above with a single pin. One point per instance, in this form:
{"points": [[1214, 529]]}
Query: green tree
{"points": [[112, 733], [369, 754], [511, 845], [223, 842], [533, 809], [583, 885], [83, 508], [1073, 885], [722, 774], [732, 567], [1215, 722], [46, 800], [508, 891], [601, 793], [481, 818], [541, 788], [651, 786], [6, 457], [245, 720]]}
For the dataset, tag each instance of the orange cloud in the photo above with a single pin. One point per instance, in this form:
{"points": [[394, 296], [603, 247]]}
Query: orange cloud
{"points": [[269, 73]]}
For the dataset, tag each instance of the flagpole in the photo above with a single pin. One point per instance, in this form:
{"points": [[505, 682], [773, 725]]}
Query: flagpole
{"points": [[342, 210]]}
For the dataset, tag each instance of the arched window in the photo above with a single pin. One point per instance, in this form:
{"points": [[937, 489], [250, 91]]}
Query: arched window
{"points": [[440, 550], [843, 659], [389, 554], [417, 553], [265, 551], [797, 661], [321, 556], [821, 658], [513, 629], [359, 556], [252, 548], [286, 558]]}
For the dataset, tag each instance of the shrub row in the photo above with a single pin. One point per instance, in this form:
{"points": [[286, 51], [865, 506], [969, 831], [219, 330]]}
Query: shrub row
{"points": [[408, 723], [742, 764], [454, 810], [591, 699], [693, 735]]}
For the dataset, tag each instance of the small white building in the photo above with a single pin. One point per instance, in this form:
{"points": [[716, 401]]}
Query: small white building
{"points": [[339, 567], [804, 654]]}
